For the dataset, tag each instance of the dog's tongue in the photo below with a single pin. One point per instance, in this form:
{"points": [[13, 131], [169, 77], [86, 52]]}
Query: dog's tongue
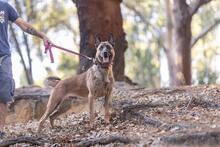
{"points": [[105, 60]]}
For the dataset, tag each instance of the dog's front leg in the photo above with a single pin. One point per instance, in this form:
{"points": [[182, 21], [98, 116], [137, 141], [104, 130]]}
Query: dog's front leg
{"points": [[91, 109], [107, 105]]}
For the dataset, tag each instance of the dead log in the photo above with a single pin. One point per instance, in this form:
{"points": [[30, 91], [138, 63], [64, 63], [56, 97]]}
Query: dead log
{"points": [[207, 138], [22, 139], [131, 113], [206, 104], [126, 105], [106, 140]]}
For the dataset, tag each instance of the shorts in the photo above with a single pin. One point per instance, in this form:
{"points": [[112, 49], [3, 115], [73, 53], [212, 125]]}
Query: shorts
{"points": [[7, 84]]}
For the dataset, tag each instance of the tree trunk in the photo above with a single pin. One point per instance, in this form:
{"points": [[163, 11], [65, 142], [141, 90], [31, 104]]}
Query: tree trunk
{"points": [[181, 43], [101, 17], [169, 50]]}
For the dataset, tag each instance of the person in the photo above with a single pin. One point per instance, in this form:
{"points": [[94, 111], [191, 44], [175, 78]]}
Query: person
{"points": [[8, 13]]}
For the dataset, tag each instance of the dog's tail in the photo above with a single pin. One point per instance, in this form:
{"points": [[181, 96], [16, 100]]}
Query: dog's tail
{"points": [[51, 81]]}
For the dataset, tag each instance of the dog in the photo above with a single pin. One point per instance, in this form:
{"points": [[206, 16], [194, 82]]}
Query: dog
{"points": [[96, 82]]}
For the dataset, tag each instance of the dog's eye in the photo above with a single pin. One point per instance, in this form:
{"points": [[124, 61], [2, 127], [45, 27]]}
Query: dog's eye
{"points": [[108, 47], [101, 48]]}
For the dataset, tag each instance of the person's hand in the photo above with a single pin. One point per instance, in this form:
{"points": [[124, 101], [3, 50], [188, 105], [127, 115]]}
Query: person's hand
{"points": [[46, 40]]}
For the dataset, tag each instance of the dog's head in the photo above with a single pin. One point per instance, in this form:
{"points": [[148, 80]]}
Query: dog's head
{"points": [[105, 51]]}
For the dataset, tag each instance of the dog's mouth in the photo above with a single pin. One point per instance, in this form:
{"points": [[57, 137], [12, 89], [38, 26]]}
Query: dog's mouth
{"points": [[105, 59], [106, 62]]}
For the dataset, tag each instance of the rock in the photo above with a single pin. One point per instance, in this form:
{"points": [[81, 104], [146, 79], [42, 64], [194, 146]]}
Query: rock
{"points": [[30, 103]]}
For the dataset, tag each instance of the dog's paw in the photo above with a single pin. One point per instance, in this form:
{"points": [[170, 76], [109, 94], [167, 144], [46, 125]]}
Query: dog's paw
{"points": [[91, 125], [96, 114], [107, 119]]}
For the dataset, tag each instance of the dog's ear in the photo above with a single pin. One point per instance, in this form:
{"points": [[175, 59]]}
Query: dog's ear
{"points": [[97, 40], [111, 39]]}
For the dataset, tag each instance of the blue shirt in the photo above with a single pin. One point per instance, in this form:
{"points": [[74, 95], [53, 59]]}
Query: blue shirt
{"points": [[7, 13]]}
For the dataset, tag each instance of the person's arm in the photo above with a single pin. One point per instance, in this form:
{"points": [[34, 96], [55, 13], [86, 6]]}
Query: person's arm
{"points": [[28, 28]]}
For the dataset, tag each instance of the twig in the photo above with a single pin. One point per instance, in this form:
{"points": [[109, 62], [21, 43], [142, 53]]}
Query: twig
{"points": [[205, 32], [105, 141], [190, 102], [194, 7]]}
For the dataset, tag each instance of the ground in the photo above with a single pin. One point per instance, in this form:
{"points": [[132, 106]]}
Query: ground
{"points": [[181, 116]]}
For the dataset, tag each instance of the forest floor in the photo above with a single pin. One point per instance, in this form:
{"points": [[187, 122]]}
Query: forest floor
{"points": [[181, 116]]}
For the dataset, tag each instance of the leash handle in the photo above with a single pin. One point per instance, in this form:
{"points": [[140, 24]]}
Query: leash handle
{"points": [[48, 47]]}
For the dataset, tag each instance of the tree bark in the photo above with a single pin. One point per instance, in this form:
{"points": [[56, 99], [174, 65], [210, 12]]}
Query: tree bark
{"points": [[181, 43], [182, 40], [98, 17], [169, 50]]}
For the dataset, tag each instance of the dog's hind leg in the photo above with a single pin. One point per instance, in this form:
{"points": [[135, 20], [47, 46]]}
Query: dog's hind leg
{"points": [[44, 117], [54, 101], [64, 106]]}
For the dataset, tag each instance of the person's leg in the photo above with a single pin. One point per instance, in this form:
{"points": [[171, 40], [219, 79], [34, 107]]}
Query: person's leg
{"points": [[3, 114], [6, 88]]}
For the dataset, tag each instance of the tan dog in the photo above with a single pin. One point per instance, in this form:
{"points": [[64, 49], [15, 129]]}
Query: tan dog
{"points": [[96, 82]]}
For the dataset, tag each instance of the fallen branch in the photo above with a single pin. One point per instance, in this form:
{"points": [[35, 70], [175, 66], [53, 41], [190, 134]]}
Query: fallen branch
{"points": [[143, 106], [131, 113], [161, 91], [129, 105], [29, 140], [195, 102], [208, 138], [145, 120], [206, 104], [105, 141], [141, 118]]}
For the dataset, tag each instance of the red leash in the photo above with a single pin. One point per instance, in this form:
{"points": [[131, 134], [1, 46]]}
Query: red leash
{"points": [[48, 47]]}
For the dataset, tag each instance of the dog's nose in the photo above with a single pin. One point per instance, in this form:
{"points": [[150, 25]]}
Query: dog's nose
{"points": [[105, 54]]}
